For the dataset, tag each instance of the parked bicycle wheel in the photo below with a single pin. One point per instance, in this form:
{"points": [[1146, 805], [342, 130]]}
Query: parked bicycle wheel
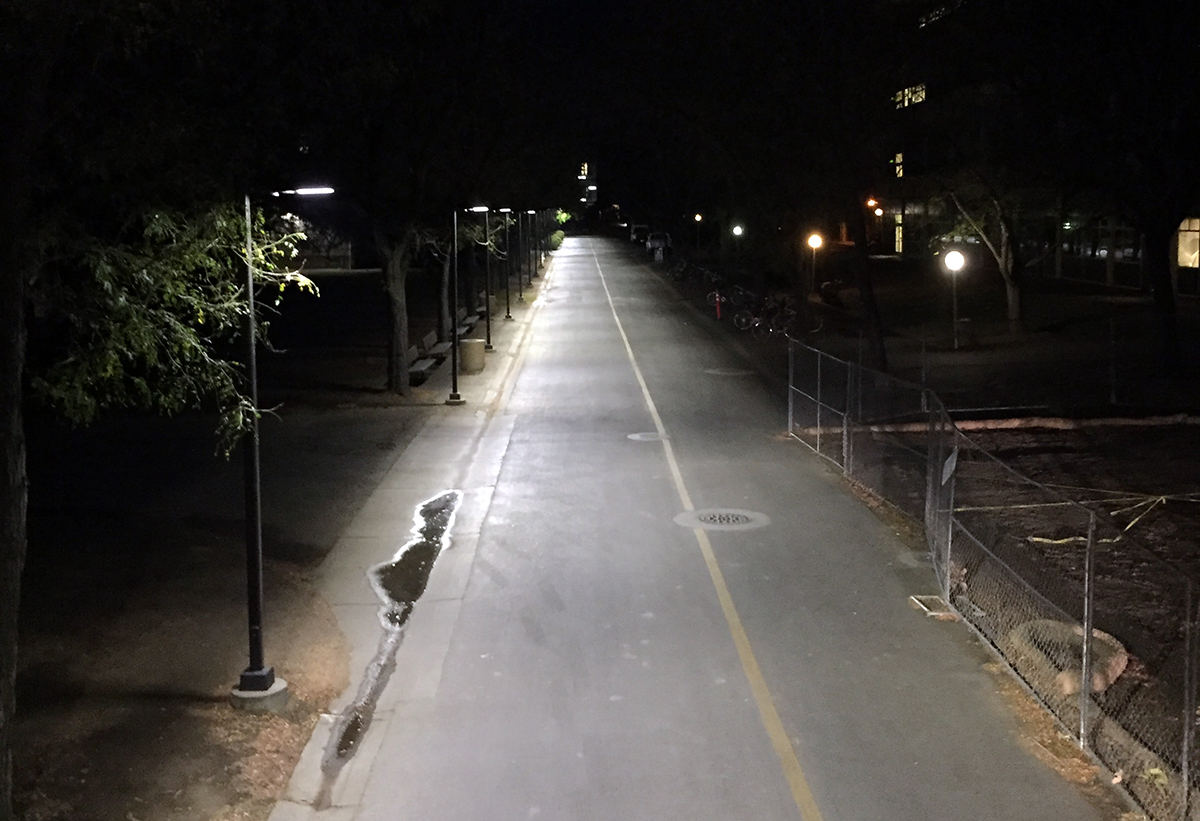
{"points": [[743, 319], [783, 321], [741, 296]]}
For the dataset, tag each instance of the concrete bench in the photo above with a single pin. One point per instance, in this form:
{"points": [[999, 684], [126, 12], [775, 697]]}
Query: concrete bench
{"points": [[418, 367], [465, 322], [432, 348]]}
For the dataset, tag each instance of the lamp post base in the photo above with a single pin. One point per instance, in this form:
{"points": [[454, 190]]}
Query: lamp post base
{"points": [[455, 399], [271, 700]]}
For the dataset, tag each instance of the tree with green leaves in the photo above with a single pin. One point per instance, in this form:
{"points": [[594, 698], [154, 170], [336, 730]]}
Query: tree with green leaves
{"points": [[122, 267]]}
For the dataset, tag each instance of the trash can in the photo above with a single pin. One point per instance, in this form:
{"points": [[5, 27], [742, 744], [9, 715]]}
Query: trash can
{"points": [[470, 355]]}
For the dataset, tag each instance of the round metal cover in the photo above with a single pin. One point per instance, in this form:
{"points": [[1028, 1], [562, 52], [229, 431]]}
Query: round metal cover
{"points": [[646, 437], [722, 518], [729, 371]]}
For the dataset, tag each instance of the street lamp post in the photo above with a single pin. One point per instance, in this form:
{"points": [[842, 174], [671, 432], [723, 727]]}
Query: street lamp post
{"points": [[487, 275], [698, 219], [454, 398], [518, 261], [507, 267], [533, 250], [258, 689], [487, 279], [814, 242], [257, 679], [954, 262]]}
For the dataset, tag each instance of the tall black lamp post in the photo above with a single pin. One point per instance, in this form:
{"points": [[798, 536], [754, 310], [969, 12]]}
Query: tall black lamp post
{"points": [[520, 260], [257, 677], [487, 275], [258, 688], [507, 267], [454, 398]]}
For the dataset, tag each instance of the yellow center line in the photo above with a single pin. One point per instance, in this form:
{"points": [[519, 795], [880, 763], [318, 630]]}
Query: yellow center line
{"points": [[782, 745]]}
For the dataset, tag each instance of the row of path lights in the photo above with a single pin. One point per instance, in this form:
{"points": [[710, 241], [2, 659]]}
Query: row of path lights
{"points": [[954, 262], [527, 227], [258, 688]]}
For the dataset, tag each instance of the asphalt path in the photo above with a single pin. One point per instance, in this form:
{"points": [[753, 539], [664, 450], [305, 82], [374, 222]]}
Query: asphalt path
{"points": [[615, 656]]}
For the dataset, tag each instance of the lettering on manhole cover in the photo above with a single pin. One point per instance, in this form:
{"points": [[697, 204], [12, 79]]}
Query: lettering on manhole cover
{"points": [[722, 519]]}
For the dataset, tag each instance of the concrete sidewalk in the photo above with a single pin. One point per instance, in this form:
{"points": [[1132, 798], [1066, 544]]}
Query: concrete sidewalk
{"points": [[459, 447]]}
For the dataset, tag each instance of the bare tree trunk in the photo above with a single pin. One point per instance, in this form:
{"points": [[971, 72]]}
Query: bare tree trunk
{"points": [[471, 296], [1158, 267], [23, 108], [1004, 251], [396, 269], [444, 306], [13, 497], [1008, 270]]}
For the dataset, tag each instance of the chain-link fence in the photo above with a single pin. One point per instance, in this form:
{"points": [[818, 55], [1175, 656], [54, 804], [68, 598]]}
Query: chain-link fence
{"points": [[1102, 632]]}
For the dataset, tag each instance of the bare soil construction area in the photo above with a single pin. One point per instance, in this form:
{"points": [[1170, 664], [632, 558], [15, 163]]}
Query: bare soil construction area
{"points": [[1145, 476]]}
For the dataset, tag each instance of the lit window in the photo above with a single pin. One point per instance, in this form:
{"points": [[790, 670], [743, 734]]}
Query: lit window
{"points": [[899, 163], [1189, 244], [909, 96]]}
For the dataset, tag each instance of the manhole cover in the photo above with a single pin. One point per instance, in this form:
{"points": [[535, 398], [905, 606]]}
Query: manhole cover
{"points": [[646, 437], [722, 519], [729, 371]]}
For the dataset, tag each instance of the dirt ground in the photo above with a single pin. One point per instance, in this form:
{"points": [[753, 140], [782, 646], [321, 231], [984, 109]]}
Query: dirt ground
{"points": [[126, 715], [133, 625]]}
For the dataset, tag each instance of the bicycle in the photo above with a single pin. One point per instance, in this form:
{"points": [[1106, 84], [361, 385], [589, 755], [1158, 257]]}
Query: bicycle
{"points": [[775, 316]]}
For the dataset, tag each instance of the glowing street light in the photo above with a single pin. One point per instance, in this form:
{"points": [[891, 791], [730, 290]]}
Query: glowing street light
{"points": [[814, 242], [699, 218], [316, 191], [738, 230], [954, 262]]}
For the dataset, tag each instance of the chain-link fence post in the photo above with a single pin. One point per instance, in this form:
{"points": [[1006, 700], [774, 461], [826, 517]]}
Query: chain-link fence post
{"points": [[948, 470], [819, 358], [1089, 596], [791, 383], [1189, 698], [846, 420]]}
